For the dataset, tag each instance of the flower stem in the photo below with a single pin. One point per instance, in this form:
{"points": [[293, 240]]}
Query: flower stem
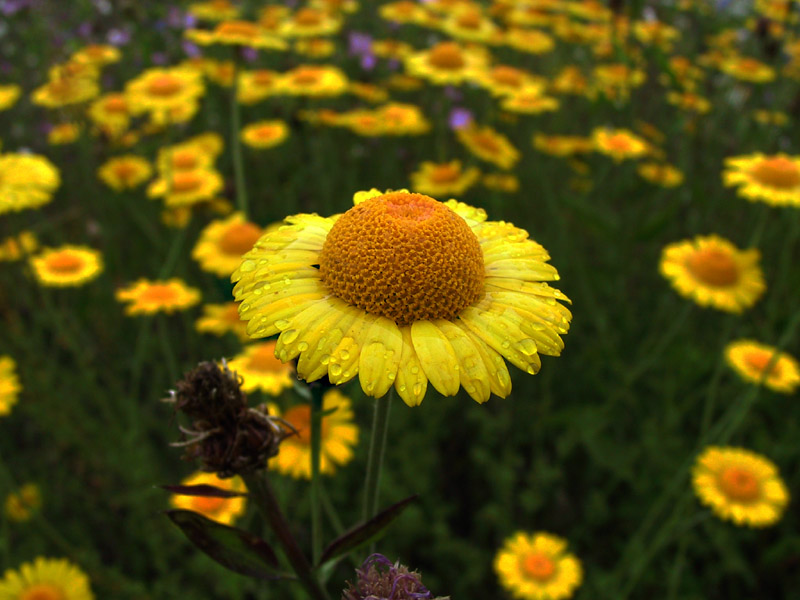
{"points": [[236, 144], [377, 445], [316, 442], [261, 491]]}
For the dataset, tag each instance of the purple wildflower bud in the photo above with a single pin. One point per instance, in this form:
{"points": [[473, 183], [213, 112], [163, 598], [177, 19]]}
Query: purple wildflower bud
{"points": [[359, 43], [380, 579], [118, 37], [249, 54], [9, 7], [460, 118], [368, 62], [191, 49]]}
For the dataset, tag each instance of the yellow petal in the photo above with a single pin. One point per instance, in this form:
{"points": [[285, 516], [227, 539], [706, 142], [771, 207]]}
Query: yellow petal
{"points": [[436, 356], [314, 364], [504, 335], [411, 382], [499, 378], [271, 319], [473, 374], [380, 357], [343, 365], [302, 331]]}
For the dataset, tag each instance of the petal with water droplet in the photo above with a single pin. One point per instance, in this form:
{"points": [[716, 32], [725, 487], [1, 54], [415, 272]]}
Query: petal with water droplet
{"points": [[380, 357]]}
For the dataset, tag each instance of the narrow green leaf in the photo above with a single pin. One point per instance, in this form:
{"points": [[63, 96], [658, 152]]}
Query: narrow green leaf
{"points": [[234, 549], [209, 491]]}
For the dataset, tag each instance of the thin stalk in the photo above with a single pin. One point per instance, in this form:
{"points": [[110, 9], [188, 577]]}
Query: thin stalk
{"points": [[316, 444], [166, 347], [377, 446], [236, 143], [261, 491]]}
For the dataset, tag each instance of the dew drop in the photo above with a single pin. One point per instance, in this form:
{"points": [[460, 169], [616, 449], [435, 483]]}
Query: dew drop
{"points": [[391, 376], [505, 344], [527, 347], [345, 354], [326, 358], [417, 389], [401, 388], [247, 266], [282, 324], [336, 369], [302, 346], [289, 336], [415, 369]]}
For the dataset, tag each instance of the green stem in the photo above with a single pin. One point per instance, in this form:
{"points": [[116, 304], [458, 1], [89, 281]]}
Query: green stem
{"points": [[174, 253], [261, 491], [236, 143], [316, 444], [716, 377], [377, 445], [166, 347]]}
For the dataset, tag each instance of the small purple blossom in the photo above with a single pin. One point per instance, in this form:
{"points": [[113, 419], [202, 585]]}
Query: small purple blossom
{"points": [[460, 118], [380, 579], [118, 37], [359, 43], [191, 49], [9, 7]]}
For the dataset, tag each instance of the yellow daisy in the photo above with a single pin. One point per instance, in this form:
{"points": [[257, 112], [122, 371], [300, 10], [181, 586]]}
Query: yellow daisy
{"points": [[222, 244], [748, 69], [531, 41], [660, 174], [469, 24], [444, 179], [26, 181], [537, 566], [125, 172], [774, 179], [22, 504], [401, 290], [165, 93], [18, 246], [182, 188], [64, 133], [221, 510], [9, 94], [309, 22], [97, 55], [316, 81], [46, 579], [261, 370], [111, 114], [713, 272], [750, 360], [237, 33], [562, 145], [314, 47], [67, 266], [9, 384], [488, 144], [149, 297], [740, 486], [529, 101], [219, 319], [214, 10], [501, 182], [446, 63], [339, 434], [255, 86], [619, 144], [504, 80], [65, 90], [690, 102], [188, 156], [265, 134]]}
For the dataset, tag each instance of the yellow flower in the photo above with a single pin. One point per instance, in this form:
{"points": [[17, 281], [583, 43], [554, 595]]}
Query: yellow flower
{"points": [[501, 182], [750, 359], [186, 156], [537, 566], [771, 117], [149, 297], [97, 55], [21, 505], [503, 80], [237, 33], [401, 290], [711, 271], [368, 91], [689, 102], [529, 101], [9, 94], [65, 90], [183, 188], [255, 86], [214, 10], [403, 11], [222, 244], [446, 63], [314, 47], [740, 486], [261, 370], [402, 119], [62, 134], [444, 179], [125, 172], [111, 114], [265, 134], [469, 24], [67, 266], [390, 48], [46, 579], [774, 179], [531, 41], [9, 385], [339, 434], [18, 246], [488, 144], [219, 319], [165, 93], [26, 181], [313, 80], [619, 144], [221, 510], [748, 69], [660, 174], [562, 145], [309, 22]]}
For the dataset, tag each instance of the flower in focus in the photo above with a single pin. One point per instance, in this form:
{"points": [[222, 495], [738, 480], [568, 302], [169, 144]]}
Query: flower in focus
{"points": [[750, 359], [67, 266], [22, 504], [489, 145], [774, 179], [222, 244], [537, 567], [9, 385], [46, 579], [221, 510], [378, 577], [219, 319], [619, 144], [401, 290], [26, 181], [265, 134], [125, 172], [444, 179], [713, 272], [149, 297], [18, 246], [339, 435], [740, 486], [261, 370]]}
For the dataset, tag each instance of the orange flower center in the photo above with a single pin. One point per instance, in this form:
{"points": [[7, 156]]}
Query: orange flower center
{"points": [[403, 256], [749, 64], [263, 359], [714, 267], [238, 29], [486, 141], [185, 182], [619, 142], [470, 20], [184, 159], [446, 56], [64, 262], [159, 292], [758, 361], [538, 566], [239, 238], [206, 504], [164, 86], [266, 132], [308, 17], [507, 76], [306, 77], [43, 591], [263, 78], [445, 173], [116, 104], [739, 484], [124, 170], [779, 172]]}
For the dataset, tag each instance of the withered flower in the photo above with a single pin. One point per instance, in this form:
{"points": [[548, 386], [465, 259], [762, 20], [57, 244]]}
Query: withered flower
{"points": [[380, 579], [229, 437]]}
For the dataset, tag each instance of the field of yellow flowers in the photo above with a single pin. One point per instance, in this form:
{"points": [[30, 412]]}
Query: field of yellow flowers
{"points": [[469, 299]]}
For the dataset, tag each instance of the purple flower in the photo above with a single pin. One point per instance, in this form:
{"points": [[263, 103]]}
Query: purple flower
{"points": [[359, 43], [118, 37], [368, 62], [460, 118], [191, 49], [379, 579]]}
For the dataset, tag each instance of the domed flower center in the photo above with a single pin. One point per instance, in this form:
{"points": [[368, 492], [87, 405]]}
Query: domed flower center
{"points": [[446, 56], [263, 359], [308, 17], [403, 256], [538, 566], [185, 182], [267, 132], [507, 76], [184, 159], [778, 172], [43, 591], [739, 484], [445, 173], [239, 238], [300, 418], [207, 504], [164, 85], [64, 263], [159, 292], [758, 361], [714, 267], [470, 20], [238, 29], [116, 104]]}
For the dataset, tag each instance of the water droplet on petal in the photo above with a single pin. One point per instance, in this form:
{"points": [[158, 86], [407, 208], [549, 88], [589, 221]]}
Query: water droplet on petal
{"points": [[302, 346], [282, 324], [289, 336], [345, 354], [247, 266], [336, 369]]}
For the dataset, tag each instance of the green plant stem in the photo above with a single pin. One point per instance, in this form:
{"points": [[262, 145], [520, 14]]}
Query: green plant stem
{"points": [[316, 441], [716, 377], [174, 254], [261, 491], [236, 143], [166, 347], [377, 445]]}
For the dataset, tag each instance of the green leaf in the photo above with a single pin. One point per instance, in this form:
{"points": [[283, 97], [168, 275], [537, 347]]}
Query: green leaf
{"points": [[234, 549], [366, 532], [209, 491]]}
